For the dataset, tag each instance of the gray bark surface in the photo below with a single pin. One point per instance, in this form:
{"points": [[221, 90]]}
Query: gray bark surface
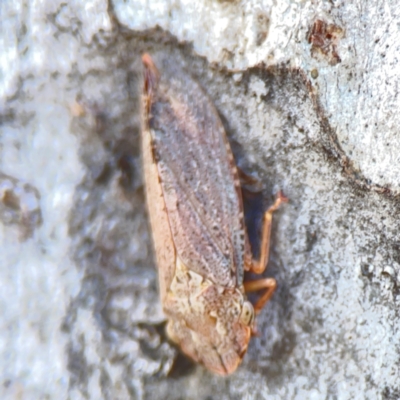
{"points": [[308, 94]]}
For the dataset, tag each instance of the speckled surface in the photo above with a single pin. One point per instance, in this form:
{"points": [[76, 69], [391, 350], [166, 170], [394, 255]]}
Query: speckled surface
{"points": [[81, 317]]}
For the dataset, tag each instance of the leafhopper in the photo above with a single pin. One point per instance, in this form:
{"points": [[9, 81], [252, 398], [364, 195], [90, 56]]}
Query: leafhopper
{"points": [[195, 206]]}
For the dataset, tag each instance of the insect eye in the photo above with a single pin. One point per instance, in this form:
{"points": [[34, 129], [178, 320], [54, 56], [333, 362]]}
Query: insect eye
{"points": [[247, 314]]}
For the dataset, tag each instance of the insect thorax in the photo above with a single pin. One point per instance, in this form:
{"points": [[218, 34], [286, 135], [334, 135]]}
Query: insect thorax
{"points": [[205, 319]]}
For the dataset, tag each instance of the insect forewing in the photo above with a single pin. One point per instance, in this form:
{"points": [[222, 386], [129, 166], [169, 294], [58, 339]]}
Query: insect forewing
{"points": [[198, 178]]}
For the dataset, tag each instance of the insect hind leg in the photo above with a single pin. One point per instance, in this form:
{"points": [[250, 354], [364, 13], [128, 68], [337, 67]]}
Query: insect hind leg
{"points": [[258, 266]]}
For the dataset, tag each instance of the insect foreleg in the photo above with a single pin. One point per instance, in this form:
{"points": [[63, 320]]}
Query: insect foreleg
{"points": [[266, 283]]}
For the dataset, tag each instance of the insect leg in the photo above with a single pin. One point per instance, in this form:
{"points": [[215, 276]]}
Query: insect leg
{"points": [[251, 184], [266, 283], [258, 266]]}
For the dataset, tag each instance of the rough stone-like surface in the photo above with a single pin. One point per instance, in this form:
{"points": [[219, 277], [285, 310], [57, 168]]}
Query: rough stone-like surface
{"points": [[308, 94]]}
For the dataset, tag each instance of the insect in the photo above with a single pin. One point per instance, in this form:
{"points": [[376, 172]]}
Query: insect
{"points": [[196, 214]]}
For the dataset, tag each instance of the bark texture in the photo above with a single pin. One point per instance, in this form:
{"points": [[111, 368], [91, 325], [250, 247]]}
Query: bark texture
{"points": [[308, 93]]}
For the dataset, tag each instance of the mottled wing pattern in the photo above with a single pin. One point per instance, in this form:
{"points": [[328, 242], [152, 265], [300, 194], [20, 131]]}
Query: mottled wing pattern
{"points": [[198, 178]]}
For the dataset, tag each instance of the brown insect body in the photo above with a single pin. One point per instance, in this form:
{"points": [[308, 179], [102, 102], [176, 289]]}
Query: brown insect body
{"points": [[196, 214]]}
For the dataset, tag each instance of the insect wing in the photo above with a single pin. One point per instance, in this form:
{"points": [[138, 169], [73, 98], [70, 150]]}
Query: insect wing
{"points": [[163, 242], [198, 178]]}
